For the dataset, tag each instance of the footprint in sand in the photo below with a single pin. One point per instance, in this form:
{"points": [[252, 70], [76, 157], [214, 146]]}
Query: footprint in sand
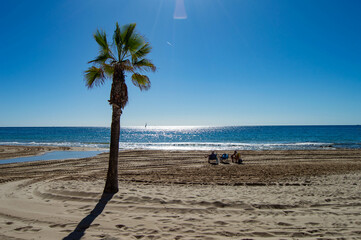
{"points": [[84, 207], [301, 234], [101, 236], [58, 225], [312, 223], [24, 229], [313, 231], [152, 231], [251, 221], [173, 229], [284, 224], [220, 223], [27, 228], [138, 236], [192, 220], [120, 226], [262, 234], [164, 220]]}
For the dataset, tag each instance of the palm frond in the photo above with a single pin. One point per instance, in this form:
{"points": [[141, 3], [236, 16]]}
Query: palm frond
{"points": [[141, 81], [108, 70], [102, 58], [101, 38], [144, 65], [141, 52], [127, 65], [94, 77], [131, 40], [118, 41], [127, 31], [135, 43]]}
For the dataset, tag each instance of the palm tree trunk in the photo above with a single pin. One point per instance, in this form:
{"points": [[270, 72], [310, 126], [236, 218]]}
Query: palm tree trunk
{"points": [[111, 185], [116, 98]]}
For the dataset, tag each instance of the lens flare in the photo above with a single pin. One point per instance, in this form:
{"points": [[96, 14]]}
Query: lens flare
{"points": [[180, 10]]}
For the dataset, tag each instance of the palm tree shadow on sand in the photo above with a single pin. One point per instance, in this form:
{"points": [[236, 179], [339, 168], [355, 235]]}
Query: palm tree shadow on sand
{"points": [[85, 223]]}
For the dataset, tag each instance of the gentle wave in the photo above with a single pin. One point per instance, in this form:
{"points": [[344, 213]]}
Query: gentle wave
{"points": [[223, 146], [58, 144], [197, 145]]}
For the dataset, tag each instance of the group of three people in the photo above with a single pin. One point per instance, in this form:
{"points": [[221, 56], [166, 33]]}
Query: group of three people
{"points": [[236, 157]]}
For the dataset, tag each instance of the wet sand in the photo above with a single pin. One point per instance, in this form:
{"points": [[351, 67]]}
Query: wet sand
{"points": [[11, 151], [177, 195]]}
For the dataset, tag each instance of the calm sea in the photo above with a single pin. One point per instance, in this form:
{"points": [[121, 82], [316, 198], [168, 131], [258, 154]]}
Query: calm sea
{"points": [[190, 138]]}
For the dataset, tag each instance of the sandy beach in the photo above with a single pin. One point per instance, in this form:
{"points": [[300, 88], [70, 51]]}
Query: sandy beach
{"points": [[293, 194]]}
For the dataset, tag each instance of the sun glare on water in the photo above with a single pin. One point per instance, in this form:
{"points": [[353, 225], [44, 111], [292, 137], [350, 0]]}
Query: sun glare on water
{"points": [[166, 128]]}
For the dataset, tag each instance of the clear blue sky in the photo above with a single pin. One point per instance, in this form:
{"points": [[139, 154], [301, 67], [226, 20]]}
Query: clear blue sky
{"points": [[230, 62]]}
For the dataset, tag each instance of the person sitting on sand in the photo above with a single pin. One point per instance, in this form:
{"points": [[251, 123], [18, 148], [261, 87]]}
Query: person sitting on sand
{"points": [[224, 158], [236, 158], [213, 156]]}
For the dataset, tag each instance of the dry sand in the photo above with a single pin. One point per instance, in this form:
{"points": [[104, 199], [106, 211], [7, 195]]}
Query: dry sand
{"points": [[177, 195]]}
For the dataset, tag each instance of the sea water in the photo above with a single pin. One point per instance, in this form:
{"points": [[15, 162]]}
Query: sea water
{"points": [[54, 155], [190, 138]]}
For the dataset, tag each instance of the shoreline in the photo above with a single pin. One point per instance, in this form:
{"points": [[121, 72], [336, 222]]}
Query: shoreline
{"points": [[16, 151], [178, 195], [261, 167]]}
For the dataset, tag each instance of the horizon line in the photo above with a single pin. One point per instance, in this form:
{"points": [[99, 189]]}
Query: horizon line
{"points": [[150, 126]]}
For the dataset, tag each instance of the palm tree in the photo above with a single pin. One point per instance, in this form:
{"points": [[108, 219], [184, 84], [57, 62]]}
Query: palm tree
{"points": [[125, 55]]}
